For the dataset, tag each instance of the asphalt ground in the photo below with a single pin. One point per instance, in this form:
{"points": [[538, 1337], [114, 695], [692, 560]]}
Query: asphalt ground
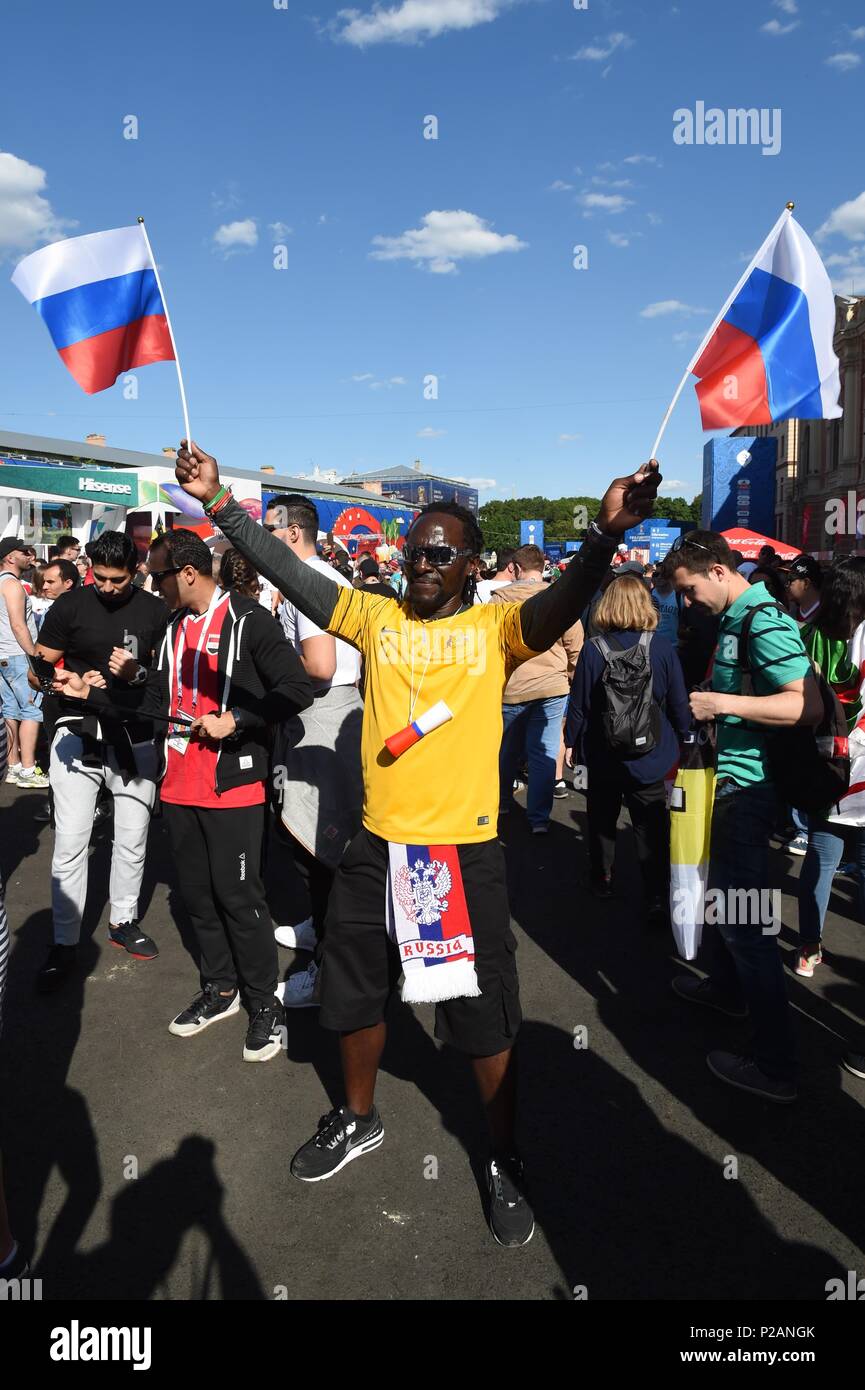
{"points": [[144, 1166]]}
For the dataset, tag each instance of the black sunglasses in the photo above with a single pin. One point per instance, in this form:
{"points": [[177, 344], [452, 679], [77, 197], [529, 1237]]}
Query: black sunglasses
{"points": [[158, 575], [265, 527], [439, 556], [685, 539]]}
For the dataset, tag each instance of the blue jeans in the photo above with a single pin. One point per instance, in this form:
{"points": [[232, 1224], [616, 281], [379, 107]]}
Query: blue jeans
{"points": [[743, 959], [826, 845], [537, 726]]}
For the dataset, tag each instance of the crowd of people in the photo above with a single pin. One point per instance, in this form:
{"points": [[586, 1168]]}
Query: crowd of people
{"points": [[283, 691]]}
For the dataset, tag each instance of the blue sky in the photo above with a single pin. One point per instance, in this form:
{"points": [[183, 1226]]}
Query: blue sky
{"points": [[555, 129]]}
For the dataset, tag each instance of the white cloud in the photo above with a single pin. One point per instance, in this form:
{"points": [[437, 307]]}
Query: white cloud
{"points": [[482, 484], [611, 183], [443, 239], [654, 219], [620, 238], [844, 62], [388, 384], [776, 28], [363, 376], [568, 438], [858, 33], [848, 219], [603, 202], [413, 21], [559, 186], [27, 219], [593, 54], [786, 6], [641, 159], [686, 336], [280, 230], [662, 307], [429, 433], [236, 236], [847, 270], [672, 485]]}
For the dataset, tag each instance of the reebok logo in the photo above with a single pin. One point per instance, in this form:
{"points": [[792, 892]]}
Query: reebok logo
{"points": [[77, 1343], [243, 867]]}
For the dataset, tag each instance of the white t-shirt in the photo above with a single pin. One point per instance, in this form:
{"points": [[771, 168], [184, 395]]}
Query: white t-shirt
{"points": [[298, 628], [488, 586]]}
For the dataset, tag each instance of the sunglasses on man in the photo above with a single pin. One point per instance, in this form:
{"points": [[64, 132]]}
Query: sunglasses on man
{"points": [[438, 556]]}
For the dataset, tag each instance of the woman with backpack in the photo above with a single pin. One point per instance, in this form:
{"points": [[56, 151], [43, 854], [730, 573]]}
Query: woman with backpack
{"points": [[627, 710], [835, 642]]}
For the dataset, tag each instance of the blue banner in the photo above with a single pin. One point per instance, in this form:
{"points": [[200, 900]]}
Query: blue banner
{"points": [[739, 484], [532, 533], [651, 540]]}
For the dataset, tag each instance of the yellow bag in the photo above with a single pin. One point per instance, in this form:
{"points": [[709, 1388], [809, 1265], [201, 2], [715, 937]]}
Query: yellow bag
{"points": [[691, 800]]}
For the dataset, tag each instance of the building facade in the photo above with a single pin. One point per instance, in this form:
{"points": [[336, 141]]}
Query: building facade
{"points": [[416, 486]]}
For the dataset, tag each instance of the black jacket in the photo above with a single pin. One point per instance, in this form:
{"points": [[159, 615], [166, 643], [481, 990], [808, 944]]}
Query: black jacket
{"points": [[262, 680]]}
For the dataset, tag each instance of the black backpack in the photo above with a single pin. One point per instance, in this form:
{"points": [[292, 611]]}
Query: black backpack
{"points": [[631, 720], [810, 766]]}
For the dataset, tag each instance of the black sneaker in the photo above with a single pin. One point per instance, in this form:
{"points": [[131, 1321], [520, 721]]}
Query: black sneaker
{"points": [[698, 991], [59, 964], [512, 1220], [129, 937], [855, 1063], [340, 1137], [560, 790], [207, 1007], [745, 1075], [264, 1034]]}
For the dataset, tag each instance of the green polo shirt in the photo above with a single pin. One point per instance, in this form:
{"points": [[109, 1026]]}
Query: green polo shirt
{"points": [[776, 656]]}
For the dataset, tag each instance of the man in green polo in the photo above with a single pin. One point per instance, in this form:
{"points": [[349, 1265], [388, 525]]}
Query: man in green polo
{"points": [[745, 968]]}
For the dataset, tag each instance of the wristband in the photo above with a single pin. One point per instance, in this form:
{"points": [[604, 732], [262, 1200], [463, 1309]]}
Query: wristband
{"points": [[218, 500], [140, 676], [595, 530]]}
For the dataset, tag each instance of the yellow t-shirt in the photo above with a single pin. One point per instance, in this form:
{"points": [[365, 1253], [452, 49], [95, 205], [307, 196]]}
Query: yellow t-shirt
{"points": [[445, 789]]}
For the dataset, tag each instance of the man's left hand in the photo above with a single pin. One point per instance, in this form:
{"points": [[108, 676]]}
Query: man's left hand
{"points": [[215, 726], [628, 501], [122, 665], [706, 704]]}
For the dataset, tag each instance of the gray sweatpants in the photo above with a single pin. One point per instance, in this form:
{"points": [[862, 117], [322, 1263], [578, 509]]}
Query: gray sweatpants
{"points": [[76, 789]]}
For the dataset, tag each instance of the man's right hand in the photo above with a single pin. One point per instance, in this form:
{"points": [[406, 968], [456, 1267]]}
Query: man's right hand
{"points": [[196, 472]]}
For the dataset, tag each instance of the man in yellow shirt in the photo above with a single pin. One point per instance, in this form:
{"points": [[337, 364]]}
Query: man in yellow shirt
{"points": [[435, 804]]}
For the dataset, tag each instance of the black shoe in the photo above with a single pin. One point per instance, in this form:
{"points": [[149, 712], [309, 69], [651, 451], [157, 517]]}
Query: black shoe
{"points": [[854, 1062], [17, 1268], [129, 938], [512, 1220], [207, 1007], [561, 790], [42, 814], [265, 1033], [340, 1137], [745, 1075], [703, 992], [602, 887], [59, 964]]}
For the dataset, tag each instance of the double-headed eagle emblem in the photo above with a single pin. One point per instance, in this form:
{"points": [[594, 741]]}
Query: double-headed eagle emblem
{"points": [[422, 891]]}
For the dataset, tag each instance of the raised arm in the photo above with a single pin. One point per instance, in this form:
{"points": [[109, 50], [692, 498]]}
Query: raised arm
{"points": [[313, 593], [626, 502]]}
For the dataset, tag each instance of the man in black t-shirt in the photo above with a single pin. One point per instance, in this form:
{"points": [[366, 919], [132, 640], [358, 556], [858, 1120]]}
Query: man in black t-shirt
{"points": [[109, 633]]}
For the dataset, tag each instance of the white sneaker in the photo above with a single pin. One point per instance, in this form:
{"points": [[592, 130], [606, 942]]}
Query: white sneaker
{"points": [[37, 778], [12, 773], [296, 992], [299, 938]]}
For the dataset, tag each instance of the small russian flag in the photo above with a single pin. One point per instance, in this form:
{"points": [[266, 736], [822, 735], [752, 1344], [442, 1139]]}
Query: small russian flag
{"points": [[100, 298], [432, 718], [769, 355]]}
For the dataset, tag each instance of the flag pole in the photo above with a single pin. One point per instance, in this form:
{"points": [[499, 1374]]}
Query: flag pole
{"points": [[170, 331], [788, 209]]}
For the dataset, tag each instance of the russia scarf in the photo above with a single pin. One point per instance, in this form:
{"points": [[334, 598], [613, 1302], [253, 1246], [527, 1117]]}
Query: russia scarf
{"points": [[428, 919]]}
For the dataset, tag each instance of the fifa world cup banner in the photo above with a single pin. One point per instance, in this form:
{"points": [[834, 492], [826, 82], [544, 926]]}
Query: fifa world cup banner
{"points": [[739, 484], [532, 533]]}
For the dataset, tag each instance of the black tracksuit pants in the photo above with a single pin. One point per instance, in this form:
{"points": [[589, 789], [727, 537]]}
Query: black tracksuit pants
{"points": [[646, 804], [217, 855]]}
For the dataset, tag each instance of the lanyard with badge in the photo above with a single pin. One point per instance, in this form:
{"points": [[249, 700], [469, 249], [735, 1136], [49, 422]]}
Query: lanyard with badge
{"points": [[178, 734]]}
